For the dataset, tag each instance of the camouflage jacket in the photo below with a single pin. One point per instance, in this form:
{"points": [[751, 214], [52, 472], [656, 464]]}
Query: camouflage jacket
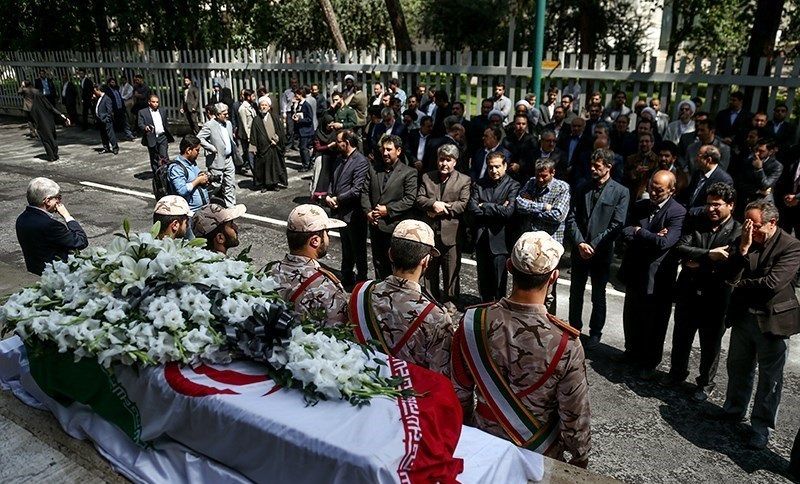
{"points": [[324, 298], [522, 341], [396, 303]]}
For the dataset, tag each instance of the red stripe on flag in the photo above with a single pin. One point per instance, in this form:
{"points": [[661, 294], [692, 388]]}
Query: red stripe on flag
{"points": [[183, 385], [229, 377], [432, 422]]}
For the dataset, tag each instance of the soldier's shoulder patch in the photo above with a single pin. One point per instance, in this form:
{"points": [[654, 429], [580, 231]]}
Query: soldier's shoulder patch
{"points": [[330, 275], [564, 326]]}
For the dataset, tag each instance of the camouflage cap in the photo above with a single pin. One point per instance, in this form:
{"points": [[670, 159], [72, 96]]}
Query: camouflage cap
{"points": [[172, 205], [209, 217], [536, 253], [416, 231], [311, 218]]}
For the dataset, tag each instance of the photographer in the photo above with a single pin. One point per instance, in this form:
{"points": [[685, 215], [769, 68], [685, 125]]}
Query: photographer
{"points": [[185, 176]]}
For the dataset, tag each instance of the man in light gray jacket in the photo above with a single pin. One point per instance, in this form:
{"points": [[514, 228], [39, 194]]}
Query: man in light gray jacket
{"points": [[216, 136]]}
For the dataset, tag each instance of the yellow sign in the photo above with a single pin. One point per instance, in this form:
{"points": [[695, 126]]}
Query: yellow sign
{"points": [[550, 64]]}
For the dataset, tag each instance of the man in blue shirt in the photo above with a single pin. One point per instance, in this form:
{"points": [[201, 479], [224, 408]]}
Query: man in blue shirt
{"points": [[185, 176]]}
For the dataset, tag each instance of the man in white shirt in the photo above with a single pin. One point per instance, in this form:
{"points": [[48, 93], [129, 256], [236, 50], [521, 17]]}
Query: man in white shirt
{"points": [[502, 103], [154, 125]]}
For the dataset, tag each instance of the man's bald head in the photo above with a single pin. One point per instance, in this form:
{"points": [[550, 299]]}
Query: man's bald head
{"points": [[662, 186]]}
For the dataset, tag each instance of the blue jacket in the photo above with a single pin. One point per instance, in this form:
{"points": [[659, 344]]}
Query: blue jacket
{"points": [[181, 173]]}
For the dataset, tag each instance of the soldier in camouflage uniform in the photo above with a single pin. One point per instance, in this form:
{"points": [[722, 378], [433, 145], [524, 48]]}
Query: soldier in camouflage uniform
{"points": [[217, 225], [315, 292], [173, 214], [396, 312], [527, 366]]}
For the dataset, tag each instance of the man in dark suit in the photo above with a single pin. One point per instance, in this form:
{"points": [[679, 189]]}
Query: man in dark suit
{"points": [[574, 144], [389, 195], [303, 120], [522, 146], [491, 207], [733, 119], [648, 270], [46, 87], [443, 197], [153, 122], [547, 109], [763, 314], [492, 137], [344, 199], [104, 113], [781, 129], [702, 294], [420, 152], [598, 213], [69, 97], [708, 173], [389, 126], [87, 97], [787, 196], [440, 112], [191, 104], [558, 124], [42, 238]]}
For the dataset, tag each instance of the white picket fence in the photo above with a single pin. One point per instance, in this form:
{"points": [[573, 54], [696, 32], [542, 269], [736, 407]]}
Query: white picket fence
{"points": [[469, 76]]}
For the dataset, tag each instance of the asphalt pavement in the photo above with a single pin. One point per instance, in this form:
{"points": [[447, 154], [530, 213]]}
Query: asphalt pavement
{"points": [[640, 431]]}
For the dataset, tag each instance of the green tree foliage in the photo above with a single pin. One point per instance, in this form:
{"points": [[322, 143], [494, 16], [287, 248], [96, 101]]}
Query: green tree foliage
{"points": [[207, 24]]}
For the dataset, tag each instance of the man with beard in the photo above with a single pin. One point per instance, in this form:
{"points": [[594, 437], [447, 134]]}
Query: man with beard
{"points": [[492, 205], [502, 103], [191, 104], [522, 146], [217, 225], [315, 292], [388, 198], [344, 199], [217, 139], [269, 142], [443, 196], [597, 216], [648, 270], [407, 323], [763, 314], [172, 214], [42, 238], [703, 297]]}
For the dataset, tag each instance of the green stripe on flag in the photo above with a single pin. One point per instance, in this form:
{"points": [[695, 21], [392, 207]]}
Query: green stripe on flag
{"points": [[85, 381]]}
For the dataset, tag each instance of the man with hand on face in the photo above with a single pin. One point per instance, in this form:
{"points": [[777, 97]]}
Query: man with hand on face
{"points": [[397, 312], [42, 238], [492, 205], [172, 214], [314, 291], [389, 195], [763, 314], [648, 270], [215, 223], [702, 295], [598, 213], [443, 196]]}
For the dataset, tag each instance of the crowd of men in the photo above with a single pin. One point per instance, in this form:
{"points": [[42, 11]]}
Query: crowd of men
{"points": [[703, 211]]}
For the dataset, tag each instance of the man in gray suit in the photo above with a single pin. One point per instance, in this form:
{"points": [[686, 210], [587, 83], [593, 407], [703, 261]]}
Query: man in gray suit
{"points": [[216, 136], [598, 213], [191, 103], [389, 195]]}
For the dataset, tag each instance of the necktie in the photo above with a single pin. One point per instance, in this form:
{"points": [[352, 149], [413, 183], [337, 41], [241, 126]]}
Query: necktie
{"points": [[697, 189]]}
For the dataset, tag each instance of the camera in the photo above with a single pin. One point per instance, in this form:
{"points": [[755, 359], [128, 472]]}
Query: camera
{"points": [[214, 178]]}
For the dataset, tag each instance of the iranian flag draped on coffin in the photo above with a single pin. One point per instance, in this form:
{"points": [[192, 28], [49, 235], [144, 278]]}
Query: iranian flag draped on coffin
{"points": [[231, 423]]}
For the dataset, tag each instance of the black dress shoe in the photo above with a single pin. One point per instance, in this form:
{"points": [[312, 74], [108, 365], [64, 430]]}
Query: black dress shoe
{"points": [[593, 343], [758, 441]]}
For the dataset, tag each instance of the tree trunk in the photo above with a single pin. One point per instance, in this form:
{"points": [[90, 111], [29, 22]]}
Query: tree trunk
{"points": [[333, 24], [402, 40], [101, 23], [766, 22]]}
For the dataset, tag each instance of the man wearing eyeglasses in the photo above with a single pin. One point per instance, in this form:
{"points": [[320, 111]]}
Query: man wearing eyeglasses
{"points": [[42, 238]]}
